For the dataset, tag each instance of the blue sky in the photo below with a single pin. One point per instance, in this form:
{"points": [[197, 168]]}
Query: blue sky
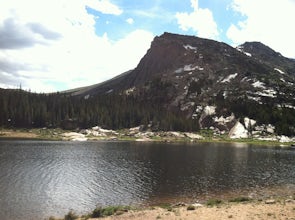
{"points": [[159, 16], [53, 45]]}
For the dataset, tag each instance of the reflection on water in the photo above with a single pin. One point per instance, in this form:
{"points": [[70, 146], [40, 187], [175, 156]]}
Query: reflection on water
{"points": [[40, 178]]}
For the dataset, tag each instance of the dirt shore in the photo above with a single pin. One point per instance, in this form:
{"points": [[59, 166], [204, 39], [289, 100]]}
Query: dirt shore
{"points": [[284, 210], [18, 134]]}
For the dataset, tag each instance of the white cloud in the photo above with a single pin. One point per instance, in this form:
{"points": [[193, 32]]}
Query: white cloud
{"points": [[268, 21], [58, 45], [200, 20], [104, 6], [130, 21]]}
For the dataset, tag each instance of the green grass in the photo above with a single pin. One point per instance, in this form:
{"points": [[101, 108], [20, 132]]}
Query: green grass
{"points": [[213, 202], [240, 199], [108, 211], [166, 206]]}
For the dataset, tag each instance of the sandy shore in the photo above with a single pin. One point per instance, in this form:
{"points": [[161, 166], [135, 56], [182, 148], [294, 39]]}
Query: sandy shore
{"points": [[284, 210], [18, 134]]}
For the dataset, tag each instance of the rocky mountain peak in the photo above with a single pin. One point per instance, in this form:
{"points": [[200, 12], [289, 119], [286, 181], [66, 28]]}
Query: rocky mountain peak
{"points": [[257, 48], [189, 75]]}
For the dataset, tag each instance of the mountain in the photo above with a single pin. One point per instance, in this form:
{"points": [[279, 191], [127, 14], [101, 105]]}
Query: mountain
{"points": [[184, 83], [210, 81]]}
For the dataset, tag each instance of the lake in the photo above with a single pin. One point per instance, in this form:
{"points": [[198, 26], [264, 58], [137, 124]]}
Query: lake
{"points": [[39, 179]]}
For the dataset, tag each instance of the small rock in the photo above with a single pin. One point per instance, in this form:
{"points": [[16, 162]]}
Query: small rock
{"points": [[197, 205], [270, 201], [119, 212], [179, 204]]}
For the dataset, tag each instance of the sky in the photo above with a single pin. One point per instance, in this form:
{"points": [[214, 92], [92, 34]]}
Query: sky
{"points": [[55, 45]]}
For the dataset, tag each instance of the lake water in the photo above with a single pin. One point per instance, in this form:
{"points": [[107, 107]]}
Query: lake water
{"points": [[39, 179]]}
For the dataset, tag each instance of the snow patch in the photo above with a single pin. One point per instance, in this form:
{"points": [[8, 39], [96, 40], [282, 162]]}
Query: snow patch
{"points": [[258, 84], [225, 93], [267, 93], [280, 71], [241, 49], [229, 78], [188, 68], [290, 106], [248, 54], [130, 90], [256, 99], [180, 70], [209, 110], [189, 47], [198, 110]]}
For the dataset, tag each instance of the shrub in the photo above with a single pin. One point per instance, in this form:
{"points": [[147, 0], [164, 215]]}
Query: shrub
{"points": [[212, 202], [166, 206], [108, 211], [240, 199], [71, 216], [190, 208]]}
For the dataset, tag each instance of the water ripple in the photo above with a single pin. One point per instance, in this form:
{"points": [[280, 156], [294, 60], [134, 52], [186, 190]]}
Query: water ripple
{"points": [[39, 179]]}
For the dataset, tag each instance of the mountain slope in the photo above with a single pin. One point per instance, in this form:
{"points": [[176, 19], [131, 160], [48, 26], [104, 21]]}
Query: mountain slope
{"points": [[204, 80]]}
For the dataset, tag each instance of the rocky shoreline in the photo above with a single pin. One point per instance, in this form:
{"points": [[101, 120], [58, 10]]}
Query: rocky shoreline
{"points": [[235, 208], [137, 134]]}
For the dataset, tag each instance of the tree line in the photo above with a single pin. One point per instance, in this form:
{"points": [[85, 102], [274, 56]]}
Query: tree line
{"points": [[21, 109]]}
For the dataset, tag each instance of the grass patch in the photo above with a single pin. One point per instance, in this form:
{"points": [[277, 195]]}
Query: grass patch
{"points": [[213, 202], [166, 206], [108, 211], [240, 199]]}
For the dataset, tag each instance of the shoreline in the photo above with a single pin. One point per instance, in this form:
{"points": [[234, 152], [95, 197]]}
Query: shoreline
{"points": [[59, 135], [234, 208]]}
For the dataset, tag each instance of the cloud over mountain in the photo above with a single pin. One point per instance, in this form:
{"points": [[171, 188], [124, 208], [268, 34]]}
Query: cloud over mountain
{"points": [[47, 43]]}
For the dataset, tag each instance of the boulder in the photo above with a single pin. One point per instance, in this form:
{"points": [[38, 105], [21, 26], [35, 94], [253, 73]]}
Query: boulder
{"points": [[238, 131], [193, 136], [270, 201], [249, 123]]}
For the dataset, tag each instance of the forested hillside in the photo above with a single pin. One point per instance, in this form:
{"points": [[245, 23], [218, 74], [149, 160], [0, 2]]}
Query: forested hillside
{"points": [[29, 110]]}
